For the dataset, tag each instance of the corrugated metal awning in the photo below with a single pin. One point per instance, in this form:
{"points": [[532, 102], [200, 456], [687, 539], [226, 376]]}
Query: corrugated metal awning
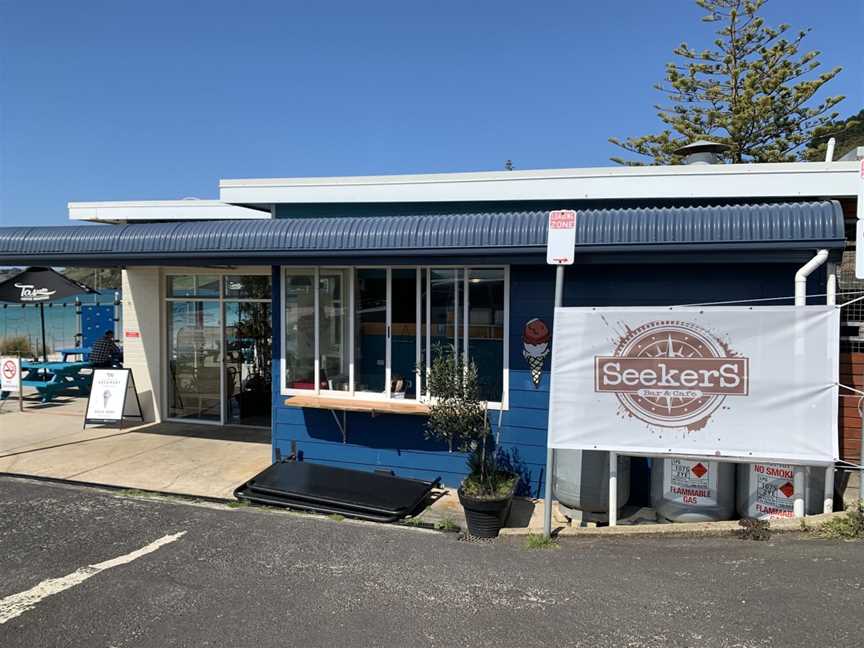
{"points": [[805, 225]]}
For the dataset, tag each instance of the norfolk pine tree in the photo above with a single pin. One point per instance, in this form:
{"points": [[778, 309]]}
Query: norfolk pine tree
{"points": [[751, 91]]}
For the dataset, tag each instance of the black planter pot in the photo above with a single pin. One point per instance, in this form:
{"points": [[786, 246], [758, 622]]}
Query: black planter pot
{"points": [[485, 517]]}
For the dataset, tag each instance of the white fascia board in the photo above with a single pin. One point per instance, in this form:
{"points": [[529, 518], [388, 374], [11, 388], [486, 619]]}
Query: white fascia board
{"points": [[794, 179], [160, 210]]}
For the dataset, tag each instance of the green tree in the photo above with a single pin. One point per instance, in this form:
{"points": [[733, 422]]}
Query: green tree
{"points": [[753, 91], [849, 134]]}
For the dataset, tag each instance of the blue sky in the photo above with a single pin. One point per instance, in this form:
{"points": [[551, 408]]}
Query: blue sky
{"points": [[122, 100]]}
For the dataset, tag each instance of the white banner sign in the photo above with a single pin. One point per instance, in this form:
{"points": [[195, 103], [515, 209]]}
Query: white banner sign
{"points": [[112, 397], [750, 383], [10, 374]]}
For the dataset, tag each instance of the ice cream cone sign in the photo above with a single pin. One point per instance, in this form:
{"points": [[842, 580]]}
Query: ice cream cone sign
{"points": [[536, 344]]}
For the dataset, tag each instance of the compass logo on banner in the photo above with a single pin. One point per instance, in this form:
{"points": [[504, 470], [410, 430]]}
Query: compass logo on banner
{"points": [[671, 374]]}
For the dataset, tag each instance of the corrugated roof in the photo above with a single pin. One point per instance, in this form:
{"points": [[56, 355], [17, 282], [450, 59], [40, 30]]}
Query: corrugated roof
{"points": [[786, 225]]}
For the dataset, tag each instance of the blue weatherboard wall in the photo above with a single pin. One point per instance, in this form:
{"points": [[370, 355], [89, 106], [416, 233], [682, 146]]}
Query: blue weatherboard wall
{"points": [[398, 442]]}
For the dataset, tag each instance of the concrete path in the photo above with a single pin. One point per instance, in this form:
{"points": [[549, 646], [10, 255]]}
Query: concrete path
{"points": [[205, 461], [249, 577]]}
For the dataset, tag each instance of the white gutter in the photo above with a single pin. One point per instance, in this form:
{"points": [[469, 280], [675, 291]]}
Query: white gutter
{"points": [[799, 479]]}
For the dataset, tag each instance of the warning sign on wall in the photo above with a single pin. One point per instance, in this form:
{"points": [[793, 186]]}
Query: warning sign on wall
{"points": [[690, 482]]}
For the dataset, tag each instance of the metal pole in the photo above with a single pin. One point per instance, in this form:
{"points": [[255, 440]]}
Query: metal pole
{"points": [[42, 319], [613, 489], [550, 454], [79, 334], [20, 386]]}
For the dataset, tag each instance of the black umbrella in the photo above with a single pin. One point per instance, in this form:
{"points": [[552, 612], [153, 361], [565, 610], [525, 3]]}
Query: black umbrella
{"points": [[37, 286]]}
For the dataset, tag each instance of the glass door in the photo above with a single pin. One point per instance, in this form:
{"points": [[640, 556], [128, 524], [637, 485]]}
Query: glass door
{"points": [[194, 360], [248, 362]]}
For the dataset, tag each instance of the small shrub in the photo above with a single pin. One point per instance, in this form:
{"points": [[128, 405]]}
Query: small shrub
{"points": [[458, 417], [16, 345], [753, 529], [849, 526], [534, 541]]}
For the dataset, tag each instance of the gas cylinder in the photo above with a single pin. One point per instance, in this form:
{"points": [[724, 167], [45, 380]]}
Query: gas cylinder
{"points": [[684, 490]]}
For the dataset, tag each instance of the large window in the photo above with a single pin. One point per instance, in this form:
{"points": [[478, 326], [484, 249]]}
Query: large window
{"points": [[364, 332]]}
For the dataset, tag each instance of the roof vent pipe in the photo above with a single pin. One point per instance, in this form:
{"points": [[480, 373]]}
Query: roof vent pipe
{"points": [[702, 152]]}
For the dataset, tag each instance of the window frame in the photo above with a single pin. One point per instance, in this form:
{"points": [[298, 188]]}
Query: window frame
{"points": [[422, 336]]}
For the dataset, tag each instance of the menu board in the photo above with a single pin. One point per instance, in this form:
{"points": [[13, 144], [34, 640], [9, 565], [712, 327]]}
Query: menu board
{"points": [[112, 397]]}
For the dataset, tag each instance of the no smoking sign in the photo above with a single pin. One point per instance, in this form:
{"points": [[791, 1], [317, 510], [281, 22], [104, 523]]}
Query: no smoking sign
{"points": [[10, 375]]}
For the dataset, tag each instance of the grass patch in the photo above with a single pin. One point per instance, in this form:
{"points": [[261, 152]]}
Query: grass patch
{"points": [[414, 522], [134, 492], [446, 525], [849, 526], [237, 504], [336, 517], [534, 541]]}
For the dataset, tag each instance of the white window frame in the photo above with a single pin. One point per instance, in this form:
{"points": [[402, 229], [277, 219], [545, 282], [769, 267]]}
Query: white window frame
{"points": [[423, 329]]}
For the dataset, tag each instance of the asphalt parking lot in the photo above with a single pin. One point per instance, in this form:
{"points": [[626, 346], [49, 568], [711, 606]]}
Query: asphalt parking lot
{"points": [[85, 567]]}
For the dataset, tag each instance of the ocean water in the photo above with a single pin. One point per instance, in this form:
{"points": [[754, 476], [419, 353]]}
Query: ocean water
{"points": [[61, 324]]}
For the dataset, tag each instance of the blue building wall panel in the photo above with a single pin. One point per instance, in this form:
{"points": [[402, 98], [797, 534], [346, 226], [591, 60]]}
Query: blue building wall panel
{"points": [[399, 443]]}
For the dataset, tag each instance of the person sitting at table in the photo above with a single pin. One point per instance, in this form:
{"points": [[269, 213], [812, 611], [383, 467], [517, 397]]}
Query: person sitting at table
{"points": [[103, 351]]}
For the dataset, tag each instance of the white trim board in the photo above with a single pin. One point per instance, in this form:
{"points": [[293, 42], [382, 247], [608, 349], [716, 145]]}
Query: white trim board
{"points": [[150, 210], [787, 180]]}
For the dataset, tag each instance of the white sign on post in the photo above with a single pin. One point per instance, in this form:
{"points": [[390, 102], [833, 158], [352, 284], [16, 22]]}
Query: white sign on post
{"points": [[10, 374], [751, 383], [109, 400], [561, 237]]}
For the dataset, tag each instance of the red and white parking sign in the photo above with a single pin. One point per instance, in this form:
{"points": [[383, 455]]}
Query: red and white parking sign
{"points": [[561, 237], [10, 374]]}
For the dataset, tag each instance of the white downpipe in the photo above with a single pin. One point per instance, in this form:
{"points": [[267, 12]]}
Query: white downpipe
{"points": [[799, 480], [805, 271], [829, 152], [831, 300]]}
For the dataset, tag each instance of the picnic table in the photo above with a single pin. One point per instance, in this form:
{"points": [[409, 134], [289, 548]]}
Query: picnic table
{"points": [[51, 379], [84, 352]]}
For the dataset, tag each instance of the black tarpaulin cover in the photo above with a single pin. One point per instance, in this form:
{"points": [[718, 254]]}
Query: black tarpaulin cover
{"points": [[326, 489]]}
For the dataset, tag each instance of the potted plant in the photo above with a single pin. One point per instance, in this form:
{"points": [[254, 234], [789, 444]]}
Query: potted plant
{"points": [[458, 416]]}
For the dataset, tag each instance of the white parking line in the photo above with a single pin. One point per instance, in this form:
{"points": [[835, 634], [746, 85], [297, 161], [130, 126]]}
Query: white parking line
{"points": [[17, 604]]}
